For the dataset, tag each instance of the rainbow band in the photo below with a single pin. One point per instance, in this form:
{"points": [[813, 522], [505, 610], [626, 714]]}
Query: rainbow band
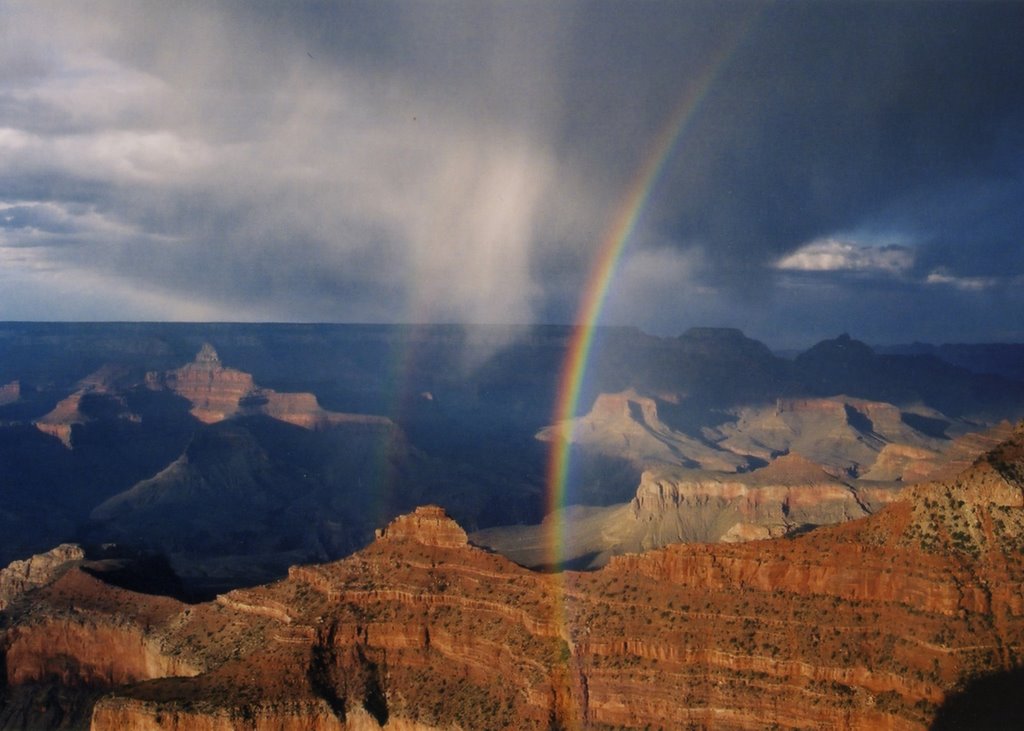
{"points": [[574, 367]]}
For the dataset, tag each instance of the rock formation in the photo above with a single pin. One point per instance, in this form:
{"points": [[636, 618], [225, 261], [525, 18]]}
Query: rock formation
{"points": [[429, 525], [251, 496], [846, 435], [865, 625], [790, 494], [214, 391], [217, 393], [674, 505], [35, 571], [627, 425], [96, 393]]}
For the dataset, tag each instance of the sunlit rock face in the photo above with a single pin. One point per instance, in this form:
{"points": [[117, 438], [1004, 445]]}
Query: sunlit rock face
{"points": [[628, 426], [213, 390], [764, 471], [35, 571], [850, 437], [95, 396], [429, 525], [217, 392], [870, 624]]}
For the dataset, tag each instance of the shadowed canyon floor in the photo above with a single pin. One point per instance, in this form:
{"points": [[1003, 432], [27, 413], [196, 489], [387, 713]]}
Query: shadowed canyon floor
{"points": [[869, 624]]}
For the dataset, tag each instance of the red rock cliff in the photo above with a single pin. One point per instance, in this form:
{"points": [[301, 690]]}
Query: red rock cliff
{"points": [[866, 625]]}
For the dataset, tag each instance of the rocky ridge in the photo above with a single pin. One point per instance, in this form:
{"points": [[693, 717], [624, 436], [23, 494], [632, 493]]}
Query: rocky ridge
{"points": [[35, 571], [96, 392], [421, 630], [846, 435], [825, 461], [791, 494], [627, 425], [673, 505], [217, 392]]}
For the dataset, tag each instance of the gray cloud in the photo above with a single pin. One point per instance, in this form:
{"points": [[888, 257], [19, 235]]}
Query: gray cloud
{"points": [[457, 161]]}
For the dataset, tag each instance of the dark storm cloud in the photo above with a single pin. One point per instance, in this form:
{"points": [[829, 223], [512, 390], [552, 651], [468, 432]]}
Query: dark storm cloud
{"points": [[462, 160], [830, 112]]}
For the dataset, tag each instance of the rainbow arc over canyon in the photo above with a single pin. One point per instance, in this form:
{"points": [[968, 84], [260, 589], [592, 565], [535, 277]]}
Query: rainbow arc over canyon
{"points": [[618, 234]]}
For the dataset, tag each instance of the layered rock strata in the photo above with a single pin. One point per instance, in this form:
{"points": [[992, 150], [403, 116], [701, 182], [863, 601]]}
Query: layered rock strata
{"points": [[217, 392], [673, 505], [848, 436], [866, 625]]}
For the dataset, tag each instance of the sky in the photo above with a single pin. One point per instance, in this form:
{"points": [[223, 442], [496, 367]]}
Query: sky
{"points": [[837, 166]]}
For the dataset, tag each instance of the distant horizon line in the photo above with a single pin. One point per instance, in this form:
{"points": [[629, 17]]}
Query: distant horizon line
{"points": [[496, 325]]}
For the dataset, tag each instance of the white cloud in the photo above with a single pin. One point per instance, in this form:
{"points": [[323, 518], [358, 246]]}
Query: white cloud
{"points": [[835, 255], [967, 284]]}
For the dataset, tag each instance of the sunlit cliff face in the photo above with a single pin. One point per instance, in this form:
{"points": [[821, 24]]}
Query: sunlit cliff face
{"points": [[423, 630]]}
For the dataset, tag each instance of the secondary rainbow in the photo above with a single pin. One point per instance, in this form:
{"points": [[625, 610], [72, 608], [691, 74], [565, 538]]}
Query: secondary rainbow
{"points": [[574, 367]]}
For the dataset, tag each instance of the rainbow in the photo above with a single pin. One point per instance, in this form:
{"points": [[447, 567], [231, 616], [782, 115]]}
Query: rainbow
{"points": [[618, 234]]}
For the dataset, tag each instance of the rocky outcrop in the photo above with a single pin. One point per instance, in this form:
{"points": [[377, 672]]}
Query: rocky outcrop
{"points": [[35, 571], [848, 436], [778, 498], [792, 493], [627, 425], [126, 714], [674, 505], [429, 525], [903, 462], [248, 498], [217, 393], [105, 654], [214, 391], [58, 422], [96, 393], [844, 434], [869, 624], [912, 464]]}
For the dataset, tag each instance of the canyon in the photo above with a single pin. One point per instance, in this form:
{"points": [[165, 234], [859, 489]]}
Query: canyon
{"points": [[238, 450], [242, 543], [423, 630], [773, 471]]}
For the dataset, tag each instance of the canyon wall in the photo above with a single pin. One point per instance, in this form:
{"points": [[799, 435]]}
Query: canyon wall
{"points": [[865, 625]]}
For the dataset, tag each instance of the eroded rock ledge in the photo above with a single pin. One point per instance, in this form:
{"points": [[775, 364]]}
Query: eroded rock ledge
{"points": [[866, 625]]}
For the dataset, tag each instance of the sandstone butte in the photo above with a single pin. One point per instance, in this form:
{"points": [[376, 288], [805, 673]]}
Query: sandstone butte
{"points": [[870, 624], [217, 393]]}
